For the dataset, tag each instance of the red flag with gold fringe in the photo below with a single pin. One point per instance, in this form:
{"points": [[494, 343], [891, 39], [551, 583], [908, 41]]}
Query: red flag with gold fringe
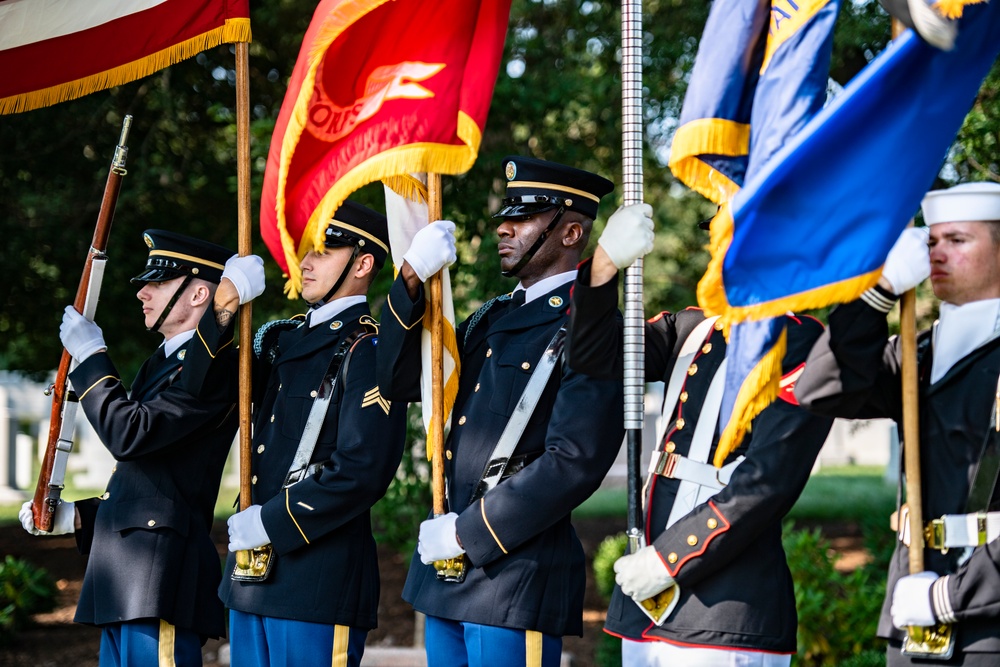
{"points": [[380, 90], [52, 51]]}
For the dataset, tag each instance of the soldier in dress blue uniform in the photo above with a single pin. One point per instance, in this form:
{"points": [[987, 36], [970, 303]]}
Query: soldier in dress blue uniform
{"points": [[525, 569], [713, 535], [312, 494], [153, 570], [854, 372]]}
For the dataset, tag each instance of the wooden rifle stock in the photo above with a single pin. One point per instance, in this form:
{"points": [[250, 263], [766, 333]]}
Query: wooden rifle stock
{"points": [[47, 490]]}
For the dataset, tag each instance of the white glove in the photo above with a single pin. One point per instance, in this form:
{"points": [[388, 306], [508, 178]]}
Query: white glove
{"points": [[246, 530], [438, 539], [642, 575], [247, 275], [911, 601], [432, 249], [628, 234], [909, 260], [80, 336], [63, 523]]}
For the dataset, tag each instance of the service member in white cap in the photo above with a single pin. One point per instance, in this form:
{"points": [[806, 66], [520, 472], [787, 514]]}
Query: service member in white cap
{"points": [[853, 371]]}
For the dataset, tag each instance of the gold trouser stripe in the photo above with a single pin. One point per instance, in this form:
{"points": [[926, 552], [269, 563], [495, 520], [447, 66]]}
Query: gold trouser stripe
{"points": [[341, 635], [532, 648], [482, 508], [168, 637], [99, 381]]}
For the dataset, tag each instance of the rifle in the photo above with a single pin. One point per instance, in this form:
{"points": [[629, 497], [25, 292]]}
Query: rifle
{"points": [[64, 403]]}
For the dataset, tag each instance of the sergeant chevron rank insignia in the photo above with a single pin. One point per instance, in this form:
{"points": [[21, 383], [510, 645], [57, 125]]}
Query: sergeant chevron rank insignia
{"points": [[373, 397]]}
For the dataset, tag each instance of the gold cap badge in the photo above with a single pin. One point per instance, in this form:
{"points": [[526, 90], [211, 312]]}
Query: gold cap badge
{"points": [[148, 239], [510, 170]]}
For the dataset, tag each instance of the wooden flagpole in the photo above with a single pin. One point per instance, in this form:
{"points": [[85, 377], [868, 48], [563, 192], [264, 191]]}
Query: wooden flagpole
{"points": [[934, 641], [244, 248], [244, 557], [435, 444]]}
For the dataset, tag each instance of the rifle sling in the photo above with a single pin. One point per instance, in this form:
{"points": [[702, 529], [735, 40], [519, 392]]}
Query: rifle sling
{"points": [[511, 436], [300, 467]]}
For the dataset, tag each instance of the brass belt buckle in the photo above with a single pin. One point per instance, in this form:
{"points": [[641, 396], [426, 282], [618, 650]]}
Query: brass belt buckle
{"points": [[664, 464], [934, 535]]}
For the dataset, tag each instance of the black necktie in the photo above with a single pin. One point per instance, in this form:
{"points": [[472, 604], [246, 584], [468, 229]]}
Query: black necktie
{"points": [[517, 298]]}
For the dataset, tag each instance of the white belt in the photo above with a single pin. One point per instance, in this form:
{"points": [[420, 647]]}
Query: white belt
{"points": [[954, 531], [962, 530], [680, 467]]}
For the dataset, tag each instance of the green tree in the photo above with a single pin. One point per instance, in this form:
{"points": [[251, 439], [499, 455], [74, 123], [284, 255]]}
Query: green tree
{"points": [[557, 97]]}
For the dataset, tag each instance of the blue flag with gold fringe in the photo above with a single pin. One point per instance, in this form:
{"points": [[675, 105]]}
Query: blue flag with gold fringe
{"points": [[760, 75], [813, 226]]}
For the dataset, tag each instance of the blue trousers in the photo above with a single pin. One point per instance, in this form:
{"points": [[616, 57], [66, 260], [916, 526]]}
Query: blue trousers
{"points": [[262, 641], [457, 644], [147, 644]]}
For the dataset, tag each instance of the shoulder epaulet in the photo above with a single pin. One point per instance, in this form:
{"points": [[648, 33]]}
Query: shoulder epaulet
{"points": [[479, 314], [265, 341]]}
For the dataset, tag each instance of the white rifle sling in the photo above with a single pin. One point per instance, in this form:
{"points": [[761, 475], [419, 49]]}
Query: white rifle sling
{"points": [[300, 467], [522, 414]]}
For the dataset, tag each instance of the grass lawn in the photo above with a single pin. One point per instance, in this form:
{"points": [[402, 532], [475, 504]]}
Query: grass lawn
{"points": [[840, 493]]}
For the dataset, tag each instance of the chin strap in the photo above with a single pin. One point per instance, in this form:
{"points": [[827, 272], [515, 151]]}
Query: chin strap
{"points": [[171, 303], [340, 281], [535, 246]]}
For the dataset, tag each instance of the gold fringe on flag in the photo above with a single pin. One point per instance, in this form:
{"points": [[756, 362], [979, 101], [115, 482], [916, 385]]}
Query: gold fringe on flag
{"points": [[761, 386], [953, 9], [708, 136], [712, 293], [234, 30], [758, 391], [418, 157]]}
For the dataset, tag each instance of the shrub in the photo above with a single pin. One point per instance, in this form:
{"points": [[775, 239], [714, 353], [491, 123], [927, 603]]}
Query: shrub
{"points": [[611, 549], [838, 612], [24, 590]]}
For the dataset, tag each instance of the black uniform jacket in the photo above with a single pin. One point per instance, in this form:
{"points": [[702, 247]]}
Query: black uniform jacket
{"points": [[528, 568], [326, 566], [726, 554], [854, 372], [151, 554]]}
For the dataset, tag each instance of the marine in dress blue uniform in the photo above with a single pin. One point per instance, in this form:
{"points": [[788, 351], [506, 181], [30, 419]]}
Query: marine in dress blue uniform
{"points": [[717, 546], [854, 372], [153, 571], [320, 598], [525, 566]]}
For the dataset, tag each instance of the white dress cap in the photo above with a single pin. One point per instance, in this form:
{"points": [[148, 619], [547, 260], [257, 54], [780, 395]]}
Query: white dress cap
{"points": [[967, 202]]}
